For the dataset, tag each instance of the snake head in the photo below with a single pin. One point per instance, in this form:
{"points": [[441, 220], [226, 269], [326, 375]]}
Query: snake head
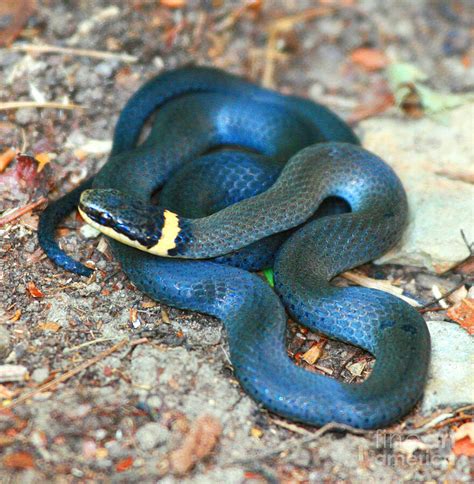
{"points": [[130, 221]]}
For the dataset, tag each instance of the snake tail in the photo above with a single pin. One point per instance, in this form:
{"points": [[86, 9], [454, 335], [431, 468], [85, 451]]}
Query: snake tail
{"points": [[50, 218]]}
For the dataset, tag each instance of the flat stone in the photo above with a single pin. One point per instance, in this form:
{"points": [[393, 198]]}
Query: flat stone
{"points": [[451, 376], [435, 161]]}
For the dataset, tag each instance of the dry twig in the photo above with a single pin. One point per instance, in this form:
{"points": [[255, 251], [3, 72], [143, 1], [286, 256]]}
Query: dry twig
{"points": [[381, 285], [33, 104], [17, 213], [54, 49]]}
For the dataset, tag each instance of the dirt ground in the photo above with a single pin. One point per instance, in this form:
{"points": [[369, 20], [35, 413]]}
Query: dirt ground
{"points": [[143, 374]]}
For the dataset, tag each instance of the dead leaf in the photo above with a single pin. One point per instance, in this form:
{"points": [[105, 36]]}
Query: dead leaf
{"points": [[465, 430], [314, 353], [357, 368], [14, 15], [33, 290], [407, 82], [198, 444], [164, 317], [464, 440], [16, 316], [49, 326], [464, 447], [148, 304], [124, 464], [256, 432], [463, 313], [43, 159], [369, 59], [19, 460], [6, 440], [173, 3], [6, 158]]}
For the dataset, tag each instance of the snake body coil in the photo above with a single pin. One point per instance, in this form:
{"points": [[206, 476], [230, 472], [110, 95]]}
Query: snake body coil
{"points": [[249, 178]]}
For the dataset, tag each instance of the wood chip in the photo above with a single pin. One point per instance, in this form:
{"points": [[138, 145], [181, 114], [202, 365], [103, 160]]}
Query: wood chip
{"points": [[314, 353]]}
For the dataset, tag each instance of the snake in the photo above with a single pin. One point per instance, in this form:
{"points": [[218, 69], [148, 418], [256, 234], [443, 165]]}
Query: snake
{"points": [[212, 177]]}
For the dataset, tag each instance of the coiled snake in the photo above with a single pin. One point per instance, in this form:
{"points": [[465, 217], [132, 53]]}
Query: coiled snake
{"points": [[247, 178]]}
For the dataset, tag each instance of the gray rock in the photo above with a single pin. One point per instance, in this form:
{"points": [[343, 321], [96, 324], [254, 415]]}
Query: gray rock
{"points": [[435, 163], [152, 435], [105, 69], [5, 343], [451, 375], [40, 374]]}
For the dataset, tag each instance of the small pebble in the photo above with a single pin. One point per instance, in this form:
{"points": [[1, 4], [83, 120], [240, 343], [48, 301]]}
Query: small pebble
{"points": [[105, 69], [40, 375], [154, 401], [151, 435], [26, 116]]}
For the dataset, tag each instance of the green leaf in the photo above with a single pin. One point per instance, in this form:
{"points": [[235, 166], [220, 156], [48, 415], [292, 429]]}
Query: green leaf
{"points": [[268, 273]]}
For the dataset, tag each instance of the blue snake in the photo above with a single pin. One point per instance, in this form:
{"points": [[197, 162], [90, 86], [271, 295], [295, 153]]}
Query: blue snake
{"points": [[243, 178]]}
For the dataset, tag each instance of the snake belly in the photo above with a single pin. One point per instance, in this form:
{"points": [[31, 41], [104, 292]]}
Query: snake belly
{"points": [[280, 160]]}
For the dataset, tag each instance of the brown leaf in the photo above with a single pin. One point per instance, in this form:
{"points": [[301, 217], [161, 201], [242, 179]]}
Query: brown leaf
{"points": [[198, 444], [14, 15], [463, 313], [19, 460], [369, 59], [33, 290]]}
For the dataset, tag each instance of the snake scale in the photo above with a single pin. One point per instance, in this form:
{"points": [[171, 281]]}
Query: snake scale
{"points": [[243, 178]]}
